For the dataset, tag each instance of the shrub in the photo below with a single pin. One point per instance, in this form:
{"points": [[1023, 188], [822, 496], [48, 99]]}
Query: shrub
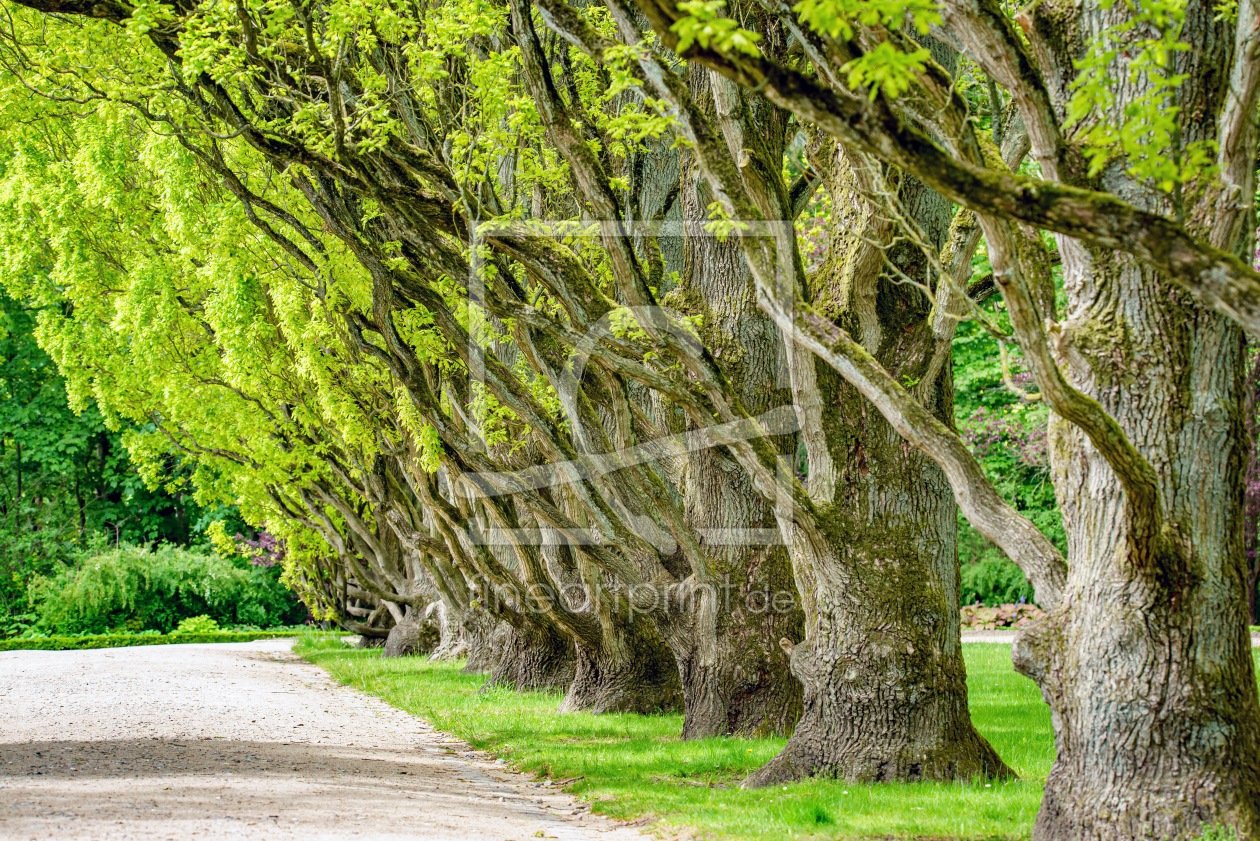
{"points": [[1001, 616], [196, 625], [132, 588], [994, 580]]}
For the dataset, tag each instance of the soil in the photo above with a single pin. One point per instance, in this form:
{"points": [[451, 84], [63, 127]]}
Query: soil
{"points": [[249, 741]]}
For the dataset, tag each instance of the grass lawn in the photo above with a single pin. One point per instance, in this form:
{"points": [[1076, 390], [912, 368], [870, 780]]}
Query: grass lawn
{"points": [[632, 765]]}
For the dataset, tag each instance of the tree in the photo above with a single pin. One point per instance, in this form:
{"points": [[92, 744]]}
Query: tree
{"points": [[1144, 658], [660, 585], [65, 477], [622, 658]]}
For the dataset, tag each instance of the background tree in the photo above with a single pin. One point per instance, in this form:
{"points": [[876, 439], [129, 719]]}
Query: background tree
{"points": [[66, 479]]}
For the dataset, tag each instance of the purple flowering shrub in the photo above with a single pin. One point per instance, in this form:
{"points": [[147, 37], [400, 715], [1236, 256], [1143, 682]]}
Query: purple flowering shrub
{"points": [[264, 551], [999, 616], [993, 434]]}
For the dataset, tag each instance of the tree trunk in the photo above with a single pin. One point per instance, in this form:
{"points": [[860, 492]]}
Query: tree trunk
{"points": [[465, 634], [533, 658], [1147, 663], [725, 638], [734, 680], [1251, 481], [631, 672], [1150, 681], [410, 636], [482, 634], [884, 680]]}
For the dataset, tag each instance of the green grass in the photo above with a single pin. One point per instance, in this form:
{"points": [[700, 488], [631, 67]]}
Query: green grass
{"points": [[633, 765]]}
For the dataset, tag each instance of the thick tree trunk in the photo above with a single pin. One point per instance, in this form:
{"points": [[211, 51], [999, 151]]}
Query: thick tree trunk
{"points": [[484, 639], [734, 680], [466, 634], [483, 635], [1147, 663], [633, 671], [1149, 676], [725, 635], [882, 668], [881, 664], [533, 658], [413, 635]]}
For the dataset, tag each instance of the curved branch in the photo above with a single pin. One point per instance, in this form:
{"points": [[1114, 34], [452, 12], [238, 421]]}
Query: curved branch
{"points": [[1136, 475], [1236, 130], [1215, 278], [980, 502], [988, 37]]}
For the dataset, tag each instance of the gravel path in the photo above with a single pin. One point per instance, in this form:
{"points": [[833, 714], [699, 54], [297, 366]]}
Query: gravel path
{"points": [[244, 740]]}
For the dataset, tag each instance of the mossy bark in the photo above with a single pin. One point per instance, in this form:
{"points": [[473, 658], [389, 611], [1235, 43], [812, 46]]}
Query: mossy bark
{"points": [[630, 671], [1146, 663], [410, 636], [881, 663], [724, 632], [533, 658]]}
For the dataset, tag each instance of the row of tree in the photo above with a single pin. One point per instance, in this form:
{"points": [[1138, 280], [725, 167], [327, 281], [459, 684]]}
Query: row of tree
{"points": [[497, 312]]}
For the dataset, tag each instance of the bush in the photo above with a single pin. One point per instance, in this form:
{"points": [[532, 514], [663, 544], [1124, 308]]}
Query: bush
{"points": [[994, 580], [197, 625], [133, 588], [143, 638]]}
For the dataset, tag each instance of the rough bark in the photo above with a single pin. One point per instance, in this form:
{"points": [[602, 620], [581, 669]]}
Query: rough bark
{"points": [[633, 671], [1146, 664], [531, 658], [412, 635], [482, 634], [725, 635], [881, 663]]}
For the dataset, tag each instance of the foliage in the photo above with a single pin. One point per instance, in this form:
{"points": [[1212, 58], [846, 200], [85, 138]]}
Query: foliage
{"points": [[705, 27], [1138, 52], [992, 580], [133, 588], [1009, 438], [265, 550], [999, 616], [65, 476], [181, 264], [196, 625]]}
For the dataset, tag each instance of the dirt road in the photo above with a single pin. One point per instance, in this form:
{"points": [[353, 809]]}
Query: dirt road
{"points": [[244, 740]]}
